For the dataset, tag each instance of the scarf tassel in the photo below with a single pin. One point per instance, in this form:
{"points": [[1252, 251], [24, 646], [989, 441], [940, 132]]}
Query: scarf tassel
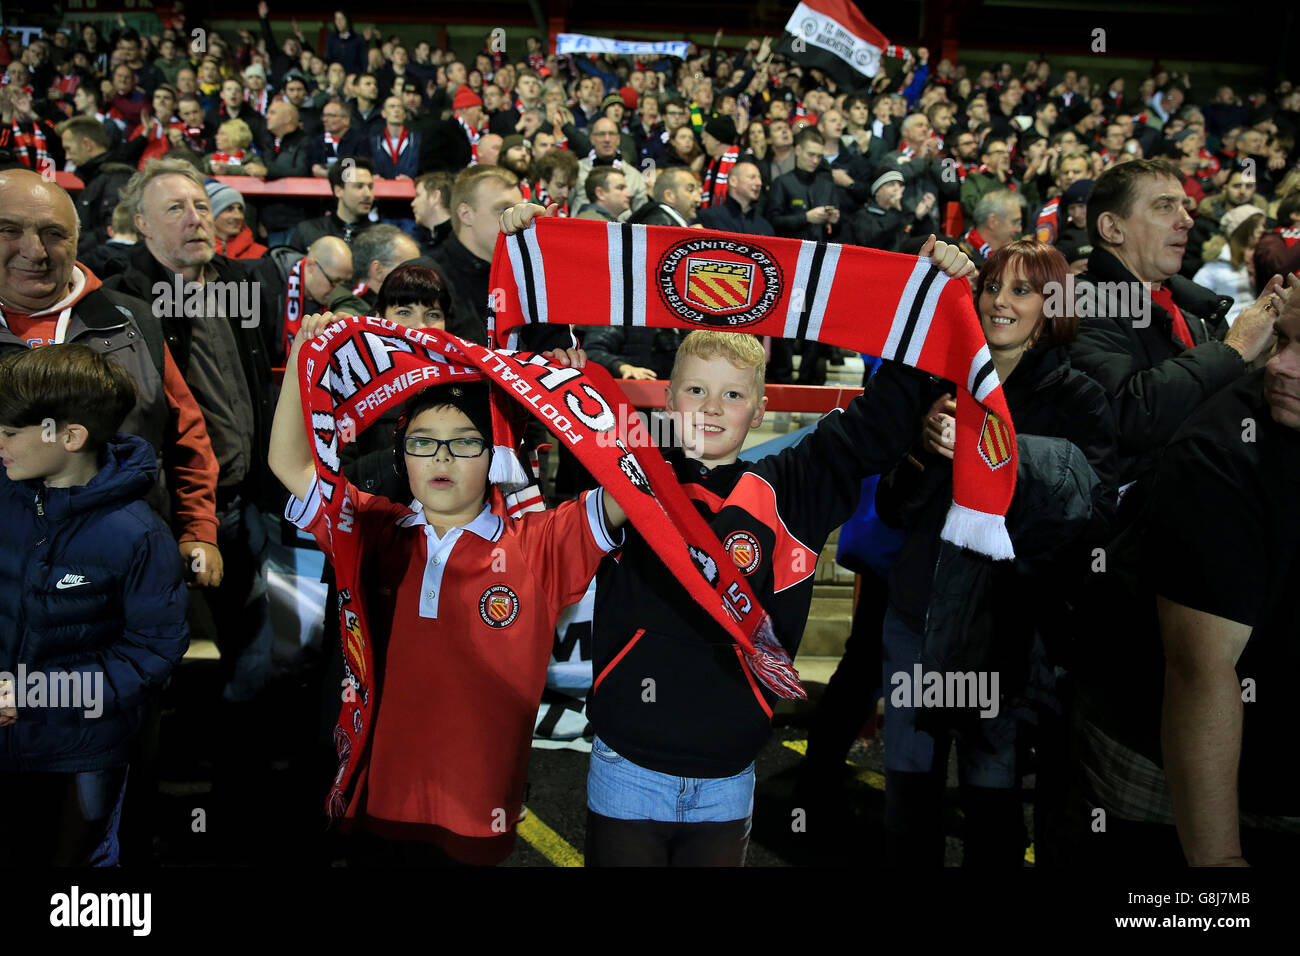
{"points": [[506, 471], [771, 664], [979, 531]]}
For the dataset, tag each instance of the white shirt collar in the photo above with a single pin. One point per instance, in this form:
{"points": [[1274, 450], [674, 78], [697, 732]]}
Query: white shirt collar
{"points": [[487, 525]]}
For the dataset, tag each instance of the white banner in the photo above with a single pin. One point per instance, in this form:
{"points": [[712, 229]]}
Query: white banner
{"points": [[581, 43], [817, 29]]}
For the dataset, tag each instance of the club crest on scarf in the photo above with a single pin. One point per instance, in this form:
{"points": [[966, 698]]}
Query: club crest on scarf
{"points": [[905, 309], [720, 283], [995, 442]]}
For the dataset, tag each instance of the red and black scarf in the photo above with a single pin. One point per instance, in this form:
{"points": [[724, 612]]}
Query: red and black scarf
{"points": [[902, 308], [714, 192], [294, 300], [29, 145], [359, 368]]}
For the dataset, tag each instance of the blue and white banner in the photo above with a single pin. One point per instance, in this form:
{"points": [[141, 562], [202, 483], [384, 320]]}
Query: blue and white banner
{"points": [[581, 43]]}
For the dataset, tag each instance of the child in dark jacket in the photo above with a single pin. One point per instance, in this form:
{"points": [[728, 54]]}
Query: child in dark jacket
{"points": [[92, 602], [678, 715]]}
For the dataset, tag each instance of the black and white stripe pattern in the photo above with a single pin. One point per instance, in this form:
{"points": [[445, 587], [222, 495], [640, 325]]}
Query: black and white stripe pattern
{"points": [[810, 289], [627, 270], [530, 274], [916, 307], [983, 376]]}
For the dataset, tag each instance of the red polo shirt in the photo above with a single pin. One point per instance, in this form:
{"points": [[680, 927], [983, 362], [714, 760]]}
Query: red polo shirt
{"points": [[463, 628]]}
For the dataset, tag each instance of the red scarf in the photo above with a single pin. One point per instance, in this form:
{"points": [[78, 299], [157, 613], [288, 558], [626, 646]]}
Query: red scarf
{"points": [[29, 145], [898, 307], [540, 195], [230, 159], [1165, 299], [258, 102], [472, 134], [396, 151], [977, 242], [295, 297], [359, 368], [715, 178]]}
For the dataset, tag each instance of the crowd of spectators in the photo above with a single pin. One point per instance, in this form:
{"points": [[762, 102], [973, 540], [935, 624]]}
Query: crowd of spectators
{"points": [[741, 140]]}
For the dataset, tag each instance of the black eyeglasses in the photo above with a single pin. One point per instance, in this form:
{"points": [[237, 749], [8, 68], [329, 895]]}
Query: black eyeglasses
{"points": [[420, 447]]}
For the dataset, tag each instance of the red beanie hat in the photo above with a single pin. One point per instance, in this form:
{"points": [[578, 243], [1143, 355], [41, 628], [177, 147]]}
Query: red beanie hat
{"points": [[629, 98], [465, 98]]}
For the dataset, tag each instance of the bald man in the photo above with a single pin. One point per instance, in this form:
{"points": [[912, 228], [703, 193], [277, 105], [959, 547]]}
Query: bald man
{"points": [[47, 298], [285, 152], [294, 285]]}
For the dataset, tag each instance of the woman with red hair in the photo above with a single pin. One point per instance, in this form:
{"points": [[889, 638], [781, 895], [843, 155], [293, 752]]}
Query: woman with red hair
{"points": [[956, 613]]}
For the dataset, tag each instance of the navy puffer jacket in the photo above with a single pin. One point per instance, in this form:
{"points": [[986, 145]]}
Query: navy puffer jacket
{"points": [[91, 588]]}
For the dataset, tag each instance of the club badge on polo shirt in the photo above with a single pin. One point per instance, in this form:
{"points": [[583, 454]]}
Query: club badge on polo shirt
{"points": [[744, 550], [499, 606]]}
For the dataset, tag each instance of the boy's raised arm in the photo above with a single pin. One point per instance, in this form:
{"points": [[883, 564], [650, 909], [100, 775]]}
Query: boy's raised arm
{"points": [[290, 456]]}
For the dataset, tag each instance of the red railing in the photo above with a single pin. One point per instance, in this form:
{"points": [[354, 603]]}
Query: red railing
{"points": [[292, 187]]}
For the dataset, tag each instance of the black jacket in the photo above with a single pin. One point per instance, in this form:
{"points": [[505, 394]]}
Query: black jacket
{"points": [[293, 159], [1052, 535], [710, 718], [654, 214], [728, 218], [878, 228], [142, 274], [1153, 382], [921, 177], [104, 177], [444, 146], [352, 143], [797, 192], [855, 166], [467, 275], [613, 346], [309, 230]]}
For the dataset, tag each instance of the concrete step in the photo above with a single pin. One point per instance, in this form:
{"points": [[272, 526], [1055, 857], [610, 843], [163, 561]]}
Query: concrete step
{"points": [[825, 637], [837, 607], [833, 590]]}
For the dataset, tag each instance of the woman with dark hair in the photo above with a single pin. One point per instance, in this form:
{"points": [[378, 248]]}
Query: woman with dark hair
{"points": [[415, 296], [684, 150], [345, 46], [954, 612], [755, 139]]}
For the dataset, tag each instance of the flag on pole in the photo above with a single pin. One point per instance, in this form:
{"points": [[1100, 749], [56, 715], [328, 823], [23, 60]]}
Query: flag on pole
{"points": [[833, 36]]}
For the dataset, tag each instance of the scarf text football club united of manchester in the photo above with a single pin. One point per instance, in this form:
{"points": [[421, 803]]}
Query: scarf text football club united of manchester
{"points": [[901, 308]]}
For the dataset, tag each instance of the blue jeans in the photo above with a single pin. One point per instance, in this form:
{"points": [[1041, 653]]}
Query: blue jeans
{"points": [[622, 790], [985, 758]]}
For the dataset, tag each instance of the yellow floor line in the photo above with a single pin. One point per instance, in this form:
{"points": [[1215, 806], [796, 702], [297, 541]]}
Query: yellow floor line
{"points": [[869, 777], [547, 842], [872, 779]]}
